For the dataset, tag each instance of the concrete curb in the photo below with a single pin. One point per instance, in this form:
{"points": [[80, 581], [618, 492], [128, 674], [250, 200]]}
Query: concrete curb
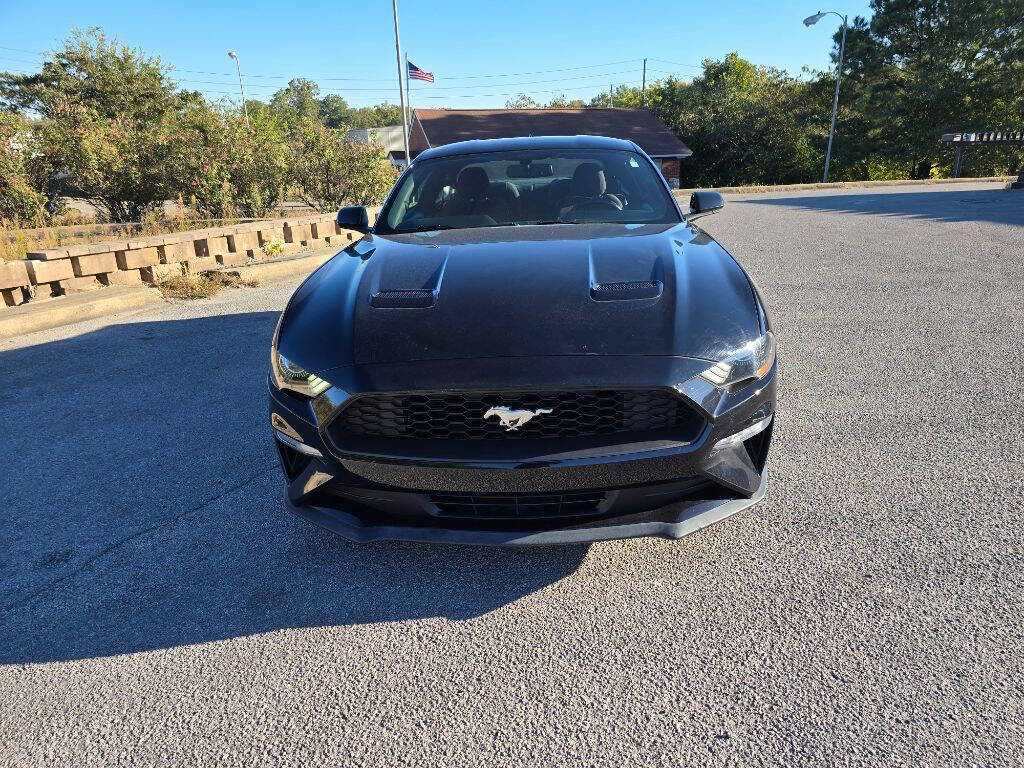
{"points": [[65, 310], [845, 185], [280, 270]]}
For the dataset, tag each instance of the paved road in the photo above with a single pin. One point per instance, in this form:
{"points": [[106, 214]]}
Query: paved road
{"points": [[158, 608]]}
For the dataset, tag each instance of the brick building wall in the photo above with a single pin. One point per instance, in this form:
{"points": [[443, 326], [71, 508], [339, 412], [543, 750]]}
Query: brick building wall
{"points": [[670, 170]]}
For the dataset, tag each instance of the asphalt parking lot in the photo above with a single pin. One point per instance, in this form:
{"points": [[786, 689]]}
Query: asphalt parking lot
{"points": [[157, 607]]}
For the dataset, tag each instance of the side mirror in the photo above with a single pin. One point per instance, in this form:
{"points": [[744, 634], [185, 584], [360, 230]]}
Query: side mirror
{"points": [[354, 217], [703, 202]]}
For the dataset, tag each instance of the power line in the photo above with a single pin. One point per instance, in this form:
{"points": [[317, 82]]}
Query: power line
{"points": [[450, 76], [424, 95], [439, 87], [677, 64]]}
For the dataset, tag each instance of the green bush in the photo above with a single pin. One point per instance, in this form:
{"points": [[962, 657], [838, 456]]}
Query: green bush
{"points": [[328, 171], [22, 197]]}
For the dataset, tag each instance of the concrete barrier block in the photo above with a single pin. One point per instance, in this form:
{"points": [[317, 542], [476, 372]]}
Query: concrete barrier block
{"points": [[176, 252], [94, 264], [14, 297], [145, 242], [296, 232], [159, 272], [79, 284], [232, 259], [320, 229], [90, 248], [138, 258], [49, 254], [13, 274], [45, 290], [199, 264], [211, 245], [243, 242], [269, 234], [123, 277], [48, 271]]}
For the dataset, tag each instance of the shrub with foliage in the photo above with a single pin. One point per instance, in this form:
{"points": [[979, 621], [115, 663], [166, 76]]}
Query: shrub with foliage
{"points": [[224, 169], [330, 171], [22, 175]]}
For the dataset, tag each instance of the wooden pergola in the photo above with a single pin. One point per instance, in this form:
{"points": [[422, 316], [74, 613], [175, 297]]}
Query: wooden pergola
{"points": [[961, 140]]}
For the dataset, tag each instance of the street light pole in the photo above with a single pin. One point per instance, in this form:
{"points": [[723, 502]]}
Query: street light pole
{"points": [[810, 20], [241, 88], [401, 90]]}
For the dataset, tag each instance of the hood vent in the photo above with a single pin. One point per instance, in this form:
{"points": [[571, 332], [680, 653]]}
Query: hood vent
{"points": [[637, 289], [402, 299]]}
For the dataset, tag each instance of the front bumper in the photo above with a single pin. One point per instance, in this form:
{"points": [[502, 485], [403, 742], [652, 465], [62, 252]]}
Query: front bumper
{"points": [[659, 488]]}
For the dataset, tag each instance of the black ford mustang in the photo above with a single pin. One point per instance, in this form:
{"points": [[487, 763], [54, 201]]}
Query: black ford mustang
{"points": [[532, 344]]}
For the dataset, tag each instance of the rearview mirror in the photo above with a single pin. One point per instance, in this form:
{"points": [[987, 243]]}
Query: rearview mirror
{"points": [[354, 217], [703, 202]]}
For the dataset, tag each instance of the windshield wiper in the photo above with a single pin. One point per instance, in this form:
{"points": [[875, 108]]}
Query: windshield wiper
{"points": [[556, 221]]}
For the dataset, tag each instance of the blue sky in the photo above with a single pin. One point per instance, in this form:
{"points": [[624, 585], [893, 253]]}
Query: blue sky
{"points": [[481, 53]]}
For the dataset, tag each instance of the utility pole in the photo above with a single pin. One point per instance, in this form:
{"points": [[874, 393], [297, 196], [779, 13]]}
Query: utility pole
{"points": [[245, 109], [401, 90], [643, 87]]}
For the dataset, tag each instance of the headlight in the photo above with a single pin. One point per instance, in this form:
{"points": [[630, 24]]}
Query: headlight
{"points": [[288, 375], [748, 363]]}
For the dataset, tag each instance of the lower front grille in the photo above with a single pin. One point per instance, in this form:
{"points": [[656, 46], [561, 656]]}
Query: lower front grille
{"points": [[517, 507]]}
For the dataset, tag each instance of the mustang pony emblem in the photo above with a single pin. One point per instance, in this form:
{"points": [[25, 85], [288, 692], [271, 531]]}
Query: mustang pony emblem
{"points": [[512, 418]]}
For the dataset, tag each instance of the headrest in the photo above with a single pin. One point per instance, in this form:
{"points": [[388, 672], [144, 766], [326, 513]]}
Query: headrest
{"points": [[588, 180], [472, 181]]}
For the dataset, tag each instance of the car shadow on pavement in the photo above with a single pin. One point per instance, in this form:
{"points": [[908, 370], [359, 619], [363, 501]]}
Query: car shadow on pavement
{"points": [[143, 507], [996, 206]]}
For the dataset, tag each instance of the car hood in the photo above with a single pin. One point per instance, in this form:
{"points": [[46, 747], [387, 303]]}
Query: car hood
{"points": [[526, 291]]}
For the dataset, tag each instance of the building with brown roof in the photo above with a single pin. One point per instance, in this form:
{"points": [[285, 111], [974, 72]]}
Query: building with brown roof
{"points": [[435, 127]]}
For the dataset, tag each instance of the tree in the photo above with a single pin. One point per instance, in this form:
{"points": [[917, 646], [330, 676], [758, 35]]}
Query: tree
{"points": [[297, 101], [106, 111], [376, 116], [334, 111], [744, 123], [522, 101], [329, 171], [920, 68], [561, 102]]}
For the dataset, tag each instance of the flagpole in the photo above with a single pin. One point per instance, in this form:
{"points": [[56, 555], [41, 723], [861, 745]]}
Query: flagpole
{"points": [[408, 98], [401, 91]]}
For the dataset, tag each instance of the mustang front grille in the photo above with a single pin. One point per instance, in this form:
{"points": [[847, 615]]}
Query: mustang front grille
{"points": [[558, 414]]}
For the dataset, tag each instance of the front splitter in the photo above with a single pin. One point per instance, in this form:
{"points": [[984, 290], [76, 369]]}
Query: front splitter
{"points": [[691, 519]]}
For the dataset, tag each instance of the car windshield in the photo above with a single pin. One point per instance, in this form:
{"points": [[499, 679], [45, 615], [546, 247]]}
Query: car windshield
{"points": [[497, 189]]}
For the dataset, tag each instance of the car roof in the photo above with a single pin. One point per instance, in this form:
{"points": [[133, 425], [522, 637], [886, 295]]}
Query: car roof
{"points": [[480, 146]]}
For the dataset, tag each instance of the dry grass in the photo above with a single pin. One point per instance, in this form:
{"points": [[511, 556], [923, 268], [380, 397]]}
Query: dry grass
{"points": [[202, 286]]}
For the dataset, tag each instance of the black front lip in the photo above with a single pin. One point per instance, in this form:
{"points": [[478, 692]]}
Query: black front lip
{"points": [[675, 521]]}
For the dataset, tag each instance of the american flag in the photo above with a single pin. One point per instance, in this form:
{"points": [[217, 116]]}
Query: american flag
{"points": [[418, 74]]}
